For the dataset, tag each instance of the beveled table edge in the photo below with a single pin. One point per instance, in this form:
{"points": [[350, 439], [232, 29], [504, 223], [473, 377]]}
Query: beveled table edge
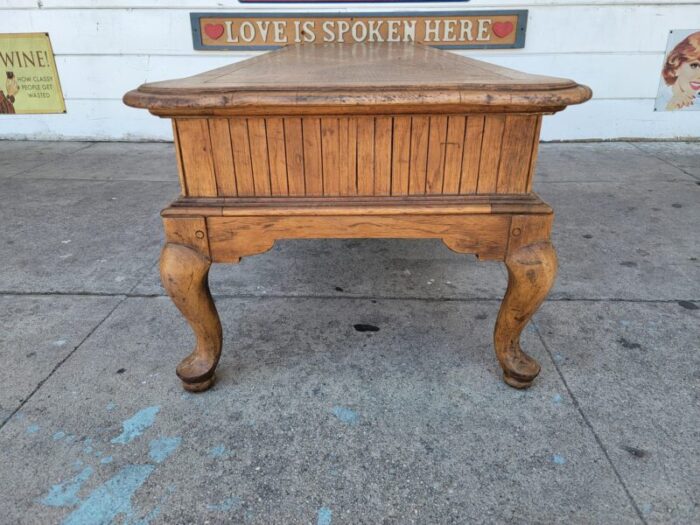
{"points": [[350, 102]]}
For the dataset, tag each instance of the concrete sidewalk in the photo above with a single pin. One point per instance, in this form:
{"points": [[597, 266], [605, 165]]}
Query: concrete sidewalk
{"points": [[314, 422]]}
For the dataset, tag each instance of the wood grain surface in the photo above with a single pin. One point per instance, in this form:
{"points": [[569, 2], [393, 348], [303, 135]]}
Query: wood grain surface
{"points": [[365, 156], [351, 78]]}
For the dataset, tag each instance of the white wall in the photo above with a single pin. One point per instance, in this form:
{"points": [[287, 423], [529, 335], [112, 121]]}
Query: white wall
{"points": [[106, 47]]}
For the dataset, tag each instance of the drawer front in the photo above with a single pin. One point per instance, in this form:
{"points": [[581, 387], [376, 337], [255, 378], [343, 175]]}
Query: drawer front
{"points": [[356, 156]]}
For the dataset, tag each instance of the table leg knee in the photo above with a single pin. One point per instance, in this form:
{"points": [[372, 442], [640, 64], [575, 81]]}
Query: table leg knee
{"points": [[184, 273], [531, 273]]}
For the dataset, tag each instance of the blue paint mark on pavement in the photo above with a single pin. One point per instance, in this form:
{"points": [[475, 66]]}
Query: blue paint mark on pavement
{"points": [[111, 498], [66, 494], [106, 459], [32, 429], [556, 398], [161, 448], [225, 505], [217, 451], [110, 406], [58, 436], [324, 516], [136, 424], [345, 415], [558, 460]]}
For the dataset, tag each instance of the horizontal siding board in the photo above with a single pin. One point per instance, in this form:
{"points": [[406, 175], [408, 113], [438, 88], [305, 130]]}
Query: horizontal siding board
{"points": [[121, 30], [207, 4], [612, 75], [112, 47], [111, 120]]}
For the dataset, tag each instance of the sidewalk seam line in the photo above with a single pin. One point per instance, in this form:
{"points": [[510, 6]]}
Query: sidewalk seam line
{"points": [[666, 162], [587, 422], [91, 144], [130, 295], [60, 363], [70, 354]]}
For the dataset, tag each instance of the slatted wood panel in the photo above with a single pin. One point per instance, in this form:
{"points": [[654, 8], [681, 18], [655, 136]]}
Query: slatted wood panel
{"points": [[351, 156]]}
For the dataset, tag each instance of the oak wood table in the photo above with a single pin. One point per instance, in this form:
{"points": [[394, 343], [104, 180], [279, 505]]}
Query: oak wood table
{"points": [[357, 141]]}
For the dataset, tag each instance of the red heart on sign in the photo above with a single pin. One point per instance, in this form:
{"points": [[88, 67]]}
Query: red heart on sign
{"points": [[502, 29], [214, 31]]}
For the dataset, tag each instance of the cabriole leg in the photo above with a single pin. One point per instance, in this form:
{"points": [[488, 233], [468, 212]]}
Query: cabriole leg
{"points": [[531, 273], [184, 273]]}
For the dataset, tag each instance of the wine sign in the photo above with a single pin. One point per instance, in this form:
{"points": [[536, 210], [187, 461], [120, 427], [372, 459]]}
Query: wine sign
{"points": [[28, 76], [446, 30]]}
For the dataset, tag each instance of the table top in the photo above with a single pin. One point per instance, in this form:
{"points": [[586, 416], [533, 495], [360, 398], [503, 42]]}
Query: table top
{"points": [[358, 74]]}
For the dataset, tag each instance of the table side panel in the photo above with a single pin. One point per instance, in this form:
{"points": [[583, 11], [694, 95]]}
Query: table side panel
{"points": [[336, 156], [231, 238]]}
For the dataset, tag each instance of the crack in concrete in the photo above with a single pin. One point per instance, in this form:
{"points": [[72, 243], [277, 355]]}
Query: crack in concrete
{"points": [[587, 422]]}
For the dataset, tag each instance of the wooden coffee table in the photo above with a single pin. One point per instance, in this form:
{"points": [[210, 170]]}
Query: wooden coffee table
{"points": [[357, 141]]}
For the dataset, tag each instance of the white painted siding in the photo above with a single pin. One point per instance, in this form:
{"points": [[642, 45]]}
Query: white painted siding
{"points": [[106, 47]]}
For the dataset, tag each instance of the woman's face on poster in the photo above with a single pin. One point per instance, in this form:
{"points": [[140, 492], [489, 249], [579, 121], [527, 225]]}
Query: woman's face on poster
{"points": [[689, 75]]}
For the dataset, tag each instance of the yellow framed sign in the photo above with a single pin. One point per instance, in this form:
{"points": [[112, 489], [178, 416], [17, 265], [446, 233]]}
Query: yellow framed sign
{"points": [[28, 76]]}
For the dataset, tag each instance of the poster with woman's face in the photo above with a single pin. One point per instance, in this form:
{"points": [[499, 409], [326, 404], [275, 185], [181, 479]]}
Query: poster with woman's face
{"points": [[679, 89]]}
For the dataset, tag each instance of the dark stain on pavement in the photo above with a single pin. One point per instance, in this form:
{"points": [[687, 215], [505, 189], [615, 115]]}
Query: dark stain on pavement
{"points": [[628, 344], [688, 305], [366, 327], [634, 451]]}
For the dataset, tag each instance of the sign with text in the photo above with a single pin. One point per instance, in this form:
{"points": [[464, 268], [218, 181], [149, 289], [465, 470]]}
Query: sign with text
{"points": [[28, 76], [446, 30]]}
